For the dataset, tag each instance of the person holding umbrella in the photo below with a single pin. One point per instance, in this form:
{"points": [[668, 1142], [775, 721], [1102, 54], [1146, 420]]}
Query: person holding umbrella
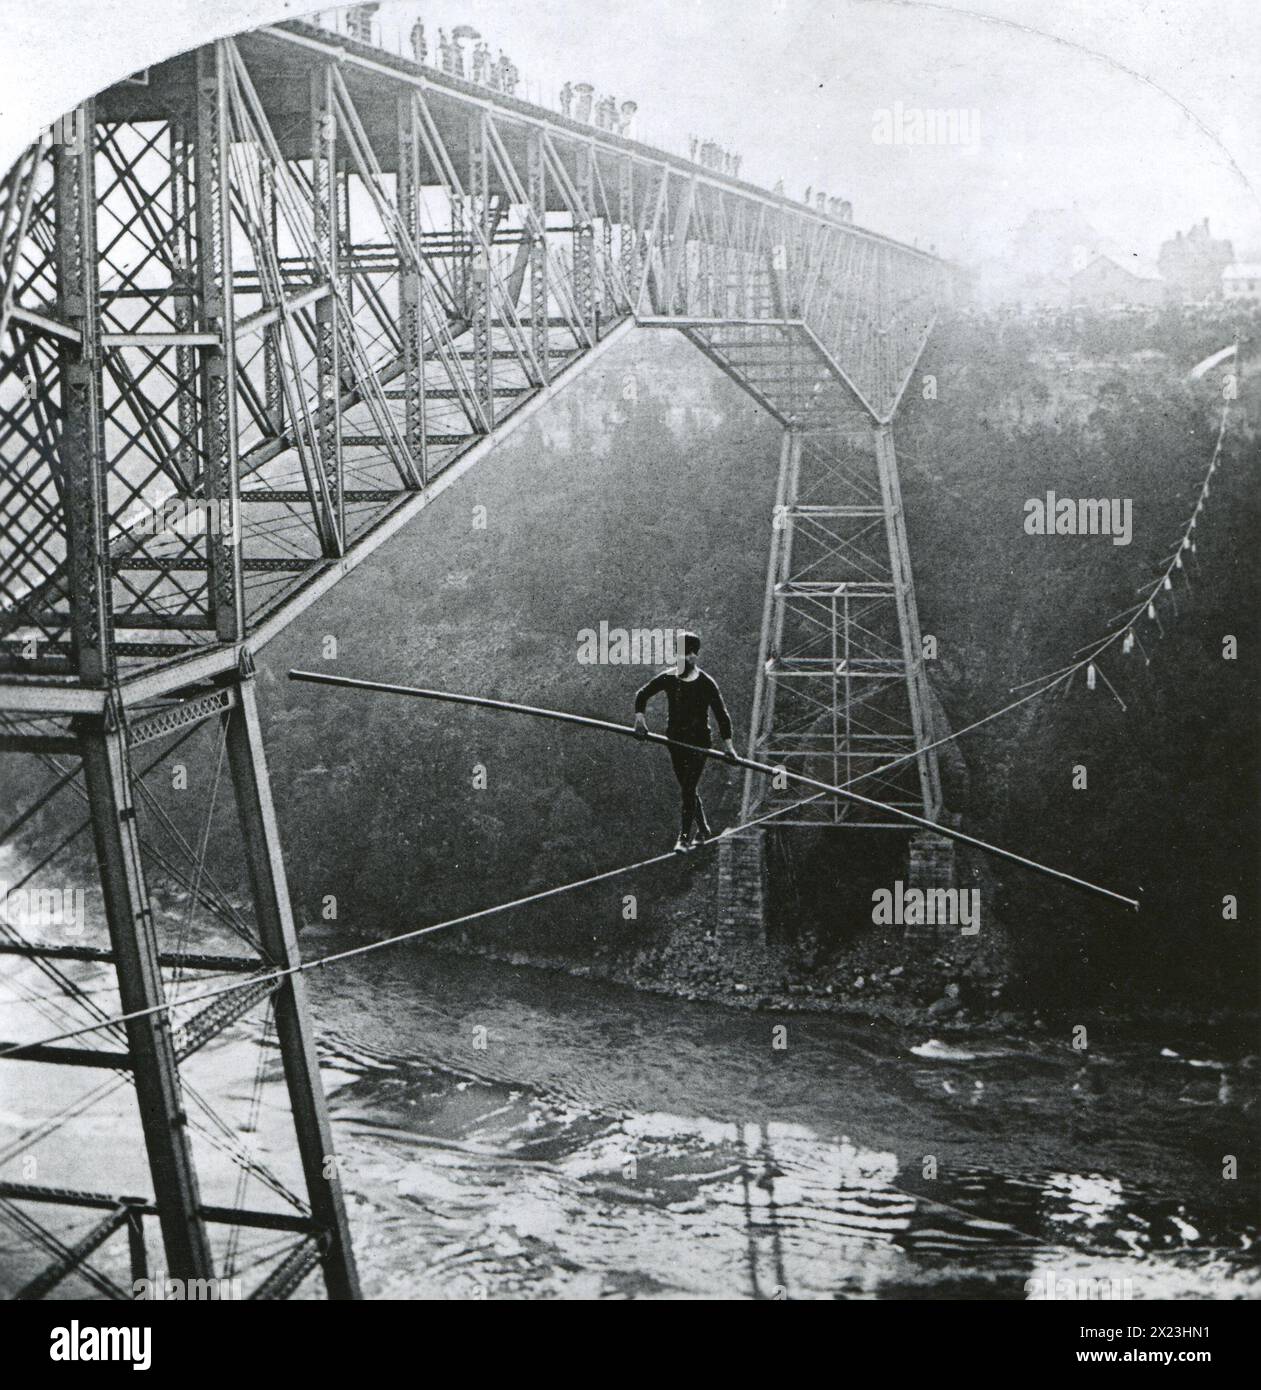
{"points": [[458, 35]]}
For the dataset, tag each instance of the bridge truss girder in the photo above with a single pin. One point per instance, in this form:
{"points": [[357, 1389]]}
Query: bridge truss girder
{"points": [[296, 288]]}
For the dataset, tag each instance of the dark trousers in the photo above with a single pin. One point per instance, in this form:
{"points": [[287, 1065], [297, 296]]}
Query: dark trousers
{"points": [[688, 767]]}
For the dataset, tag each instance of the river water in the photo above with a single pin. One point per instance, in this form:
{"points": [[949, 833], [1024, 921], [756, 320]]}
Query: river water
{"points": [[508, 1133]]}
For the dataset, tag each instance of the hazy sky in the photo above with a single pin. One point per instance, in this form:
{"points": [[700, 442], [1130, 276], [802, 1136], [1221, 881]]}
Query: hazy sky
{"points": [[795, 85]]}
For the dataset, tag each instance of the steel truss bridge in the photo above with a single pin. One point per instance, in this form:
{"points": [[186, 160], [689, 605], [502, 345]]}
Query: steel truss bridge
{"points": [[260, 307]]}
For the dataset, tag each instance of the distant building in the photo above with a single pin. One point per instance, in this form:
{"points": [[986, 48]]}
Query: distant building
{"points": [[1105, 283], [1053, 241], [1242, 280], [1032, 267], [1192, 265]]}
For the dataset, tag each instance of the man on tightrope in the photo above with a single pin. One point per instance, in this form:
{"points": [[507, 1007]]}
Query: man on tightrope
{"points": [[690, 695]]}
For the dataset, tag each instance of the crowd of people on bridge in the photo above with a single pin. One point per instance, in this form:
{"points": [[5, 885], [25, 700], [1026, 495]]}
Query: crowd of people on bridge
{"points": [[464, 53], [476, 63], [711, 155], [359, 22], [500, 73], [839, 208], [578, 101]]}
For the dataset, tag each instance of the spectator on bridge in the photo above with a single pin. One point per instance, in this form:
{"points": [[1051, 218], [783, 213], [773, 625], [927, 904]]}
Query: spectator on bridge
{"points": [[821, 202], [582, 111], [481, 64], [736, 161], [458, 35], [691, 694], [420, 49], [446, 52], [626, 121], [779, 187], [511, 78], [693, 144], [809, 192], [847, 211], [567, 99], [359, 22]]}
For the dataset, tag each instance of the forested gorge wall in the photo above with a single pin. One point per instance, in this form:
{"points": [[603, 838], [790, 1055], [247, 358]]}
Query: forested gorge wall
{"points": [[642, 497]]}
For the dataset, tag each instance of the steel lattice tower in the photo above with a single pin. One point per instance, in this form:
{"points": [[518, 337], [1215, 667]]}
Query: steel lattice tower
{"points": [[841, 691]]}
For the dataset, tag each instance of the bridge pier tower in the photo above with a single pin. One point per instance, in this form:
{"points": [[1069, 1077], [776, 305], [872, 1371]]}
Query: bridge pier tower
{"points": [[742, 889], [841, 691], [154, 966], [931, 861], [86, 699]]}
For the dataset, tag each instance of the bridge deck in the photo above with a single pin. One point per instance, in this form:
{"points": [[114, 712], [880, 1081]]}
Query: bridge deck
{"points": [[308, 283]]}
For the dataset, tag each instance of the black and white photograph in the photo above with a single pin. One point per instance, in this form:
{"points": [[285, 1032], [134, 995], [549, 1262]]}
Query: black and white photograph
{"points": [[629, 664]]}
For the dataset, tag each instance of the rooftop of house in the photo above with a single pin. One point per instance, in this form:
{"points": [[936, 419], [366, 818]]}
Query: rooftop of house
{"points": [[1132, 264]]}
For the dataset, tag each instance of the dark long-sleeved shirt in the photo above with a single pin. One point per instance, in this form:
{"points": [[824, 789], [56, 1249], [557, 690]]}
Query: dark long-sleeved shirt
{"points": [[690, 703]]}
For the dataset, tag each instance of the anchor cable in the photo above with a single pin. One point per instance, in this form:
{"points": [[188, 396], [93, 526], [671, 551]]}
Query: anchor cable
{"points": [[350, 952]]}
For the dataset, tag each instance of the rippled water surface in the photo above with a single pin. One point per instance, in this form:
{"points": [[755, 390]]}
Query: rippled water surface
{"points": [[506, 1133], [606, 1143]]}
